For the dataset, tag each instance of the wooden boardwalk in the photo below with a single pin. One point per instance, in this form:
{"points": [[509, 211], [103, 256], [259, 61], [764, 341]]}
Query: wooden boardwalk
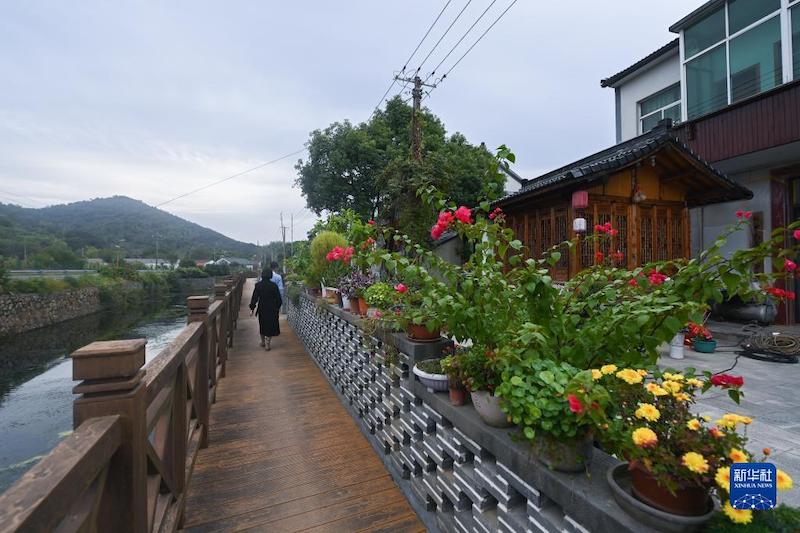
{"points": [[283, 454]]}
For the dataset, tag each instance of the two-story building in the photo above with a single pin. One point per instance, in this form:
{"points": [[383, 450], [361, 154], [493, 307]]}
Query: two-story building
{"points": [[730, 85]]}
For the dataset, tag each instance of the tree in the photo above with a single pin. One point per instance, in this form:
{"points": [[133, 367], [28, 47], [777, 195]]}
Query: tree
{"points": [[368, 168]]}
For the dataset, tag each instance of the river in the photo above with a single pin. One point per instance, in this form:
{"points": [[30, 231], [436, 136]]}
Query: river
{"points": [[36, 376]]}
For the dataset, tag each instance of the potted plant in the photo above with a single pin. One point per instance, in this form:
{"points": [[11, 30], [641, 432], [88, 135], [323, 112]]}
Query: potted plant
{"points": [[702, 340], [348, 288], [451, 366], [430, 375], [676, 458], [379, 297], [479, 367], [556, 406], [418, 313]]}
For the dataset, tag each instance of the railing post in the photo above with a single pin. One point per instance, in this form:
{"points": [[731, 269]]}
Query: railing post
{"points": [[198, 312], [111, 374], [220, 293], [232, 310]]}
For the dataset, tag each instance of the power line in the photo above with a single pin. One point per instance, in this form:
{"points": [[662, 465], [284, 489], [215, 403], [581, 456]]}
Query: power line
{"points": [[476, 42], [461, 39], [444, 34], [204, 187]]}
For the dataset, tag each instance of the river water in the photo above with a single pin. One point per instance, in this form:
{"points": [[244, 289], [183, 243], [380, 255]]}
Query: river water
{"points": [[36, 376]]}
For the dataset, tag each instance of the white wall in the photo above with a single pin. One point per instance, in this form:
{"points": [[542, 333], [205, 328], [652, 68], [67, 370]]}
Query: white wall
{"points": [[646, 83]]}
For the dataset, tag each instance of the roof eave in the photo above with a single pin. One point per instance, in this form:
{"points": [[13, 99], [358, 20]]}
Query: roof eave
{"points": [[655, 58], [696, 15]]}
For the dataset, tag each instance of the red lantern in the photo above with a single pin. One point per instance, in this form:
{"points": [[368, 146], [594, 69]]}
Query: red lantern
{"points": [[580, 199]]}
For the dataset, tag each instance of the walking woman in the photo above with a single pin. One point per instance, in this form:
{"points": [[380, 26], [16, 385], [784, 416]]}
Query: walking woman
{"points": [[267, 297]]}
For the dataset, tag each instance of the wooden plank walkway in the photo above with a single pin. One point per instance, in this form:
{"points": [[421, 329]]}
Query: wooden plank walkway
{"points": [[283, 453]]}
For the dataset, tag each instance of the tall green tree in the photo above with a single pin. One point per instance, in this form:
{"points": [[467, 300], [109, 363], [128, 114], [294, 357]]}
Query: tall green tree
{"points": [[368, 168]]}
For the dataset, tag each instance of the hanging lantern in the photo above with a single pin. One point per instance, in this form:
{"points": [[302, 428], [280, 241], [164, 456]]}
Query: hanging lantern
{"points": [[580, 199], [579, 225]]}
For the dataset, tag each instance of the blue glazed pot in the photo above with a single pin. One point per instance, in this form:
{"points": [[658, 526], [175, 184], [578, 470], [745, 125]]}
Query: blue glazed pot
{"points": [[704, 346]]}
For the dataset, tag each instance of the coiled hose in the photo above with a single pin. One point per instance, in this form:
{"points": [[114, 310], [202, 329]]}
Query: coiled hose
{"points": [[768, 346]]}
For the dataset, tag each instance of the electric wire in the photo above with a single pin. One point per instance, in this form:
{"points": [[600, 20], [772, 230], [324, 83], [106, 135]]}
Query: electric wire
{"points": [[444, 34]]}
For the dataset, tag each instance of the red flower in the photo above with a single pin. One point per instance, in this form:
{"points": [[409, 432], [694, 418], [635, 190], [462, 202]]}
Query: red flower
{"points": [[600, 229], [613, 232], [716, 433], [797, 234], [402, 289], [745, 214], [605, 228], [618, 257], [371, 222], [598, 257], [464, 214], [789, 265], [739, 213], [347, 254], [496, 213], [436, 232], [780, 293], [633, 283], [727, 381], [656, 278], [445, 219], [575, 404]]}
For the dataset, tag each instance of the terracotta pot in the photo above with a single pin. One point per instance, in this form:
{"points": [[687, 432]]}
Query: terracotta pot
{"points": [[458, 395], [573, 455], [362, 307], [687, 501], [421, 333], [488, 407]]}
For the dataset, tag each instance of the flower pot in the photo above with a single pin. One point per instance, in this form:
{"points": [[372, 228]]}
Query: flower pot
{"points": [[572, 455], [421, 334], [687, 501], [488, 407], [433, 382], [676, 346], [704, 346], [458, 395], [620, 481], [346, 303], [362, 307]]}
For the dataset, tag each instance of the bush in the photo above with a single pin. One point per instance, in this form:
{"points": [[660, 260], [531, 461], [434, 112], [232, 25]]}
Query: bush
{"points": [[191, 273], [323, 243], [380, 295], [217, 270], [782, 519]]}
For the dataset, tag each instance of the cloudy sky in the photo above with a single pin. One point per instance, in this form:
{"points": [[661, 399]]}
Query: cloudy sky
{"points": [[152, 99]]}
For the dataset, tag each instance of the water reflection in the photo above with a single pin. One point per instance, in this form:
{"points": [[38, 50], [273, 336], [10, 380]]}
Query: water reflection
{"points": [[36, 376]]}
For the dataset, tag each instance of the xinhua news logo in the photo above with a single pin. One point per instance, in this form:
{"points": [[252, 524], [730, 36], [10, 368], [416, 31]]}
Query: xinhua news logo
{"points": [[753, 486]]}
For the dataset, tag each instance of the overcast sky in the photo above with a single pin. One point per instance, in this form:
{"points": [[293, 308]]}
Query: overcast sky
{"points": [[153, 99]]}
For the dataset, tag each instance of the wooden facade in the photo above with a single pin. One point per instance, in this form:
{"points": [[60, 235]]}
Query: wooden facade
{"points": [[646, 199]]}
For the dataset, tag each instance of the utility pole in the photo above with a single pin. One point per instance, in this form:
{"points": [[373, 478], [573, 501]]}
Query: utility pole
{"points": [[156, 236], [291, 236], [416, 94], [283, 236]]}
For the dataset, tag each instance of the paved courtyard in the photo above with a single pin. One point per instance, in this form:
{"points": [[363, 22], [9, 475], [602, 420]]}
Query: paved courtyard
{"points": [[772, 399]]}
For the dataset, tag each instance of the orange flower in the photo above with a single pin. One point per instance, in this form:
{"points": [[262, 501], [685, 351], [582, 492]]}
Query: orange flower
{"points": [[695, 462], [784, 482], [723, 478], [738, 456], [644, 437]]}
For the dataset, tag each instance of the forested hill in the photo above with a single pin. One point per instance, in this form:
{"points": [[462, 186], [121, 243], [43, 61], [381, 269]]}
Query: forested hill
{"points": [[99, 226]]}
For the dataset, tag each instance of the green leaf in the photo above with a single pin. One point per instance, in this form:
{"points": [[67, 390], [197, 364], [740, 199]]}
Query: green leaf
{"points": [[516, 380], [529, 433], [735, 395]]}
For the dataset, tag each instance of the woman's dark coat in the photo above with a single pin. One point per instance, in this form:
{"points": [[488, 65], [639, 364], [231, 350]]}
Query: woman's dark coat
{"points": [[268, 299]]}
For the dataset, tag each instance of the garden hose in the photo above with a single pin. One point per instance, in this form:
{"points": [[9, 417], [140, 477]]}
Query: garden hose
{"points": [[772, 347]]}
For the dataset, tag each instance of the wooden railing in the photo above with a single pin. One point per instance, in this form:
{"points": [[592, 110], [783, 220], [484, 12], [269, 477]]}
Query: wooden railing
{"points": [[138, 429]]}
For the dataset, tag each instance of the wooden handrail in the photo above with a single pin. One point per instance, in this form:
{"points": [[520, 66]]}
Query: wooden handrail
{"points": [[138, 430]]}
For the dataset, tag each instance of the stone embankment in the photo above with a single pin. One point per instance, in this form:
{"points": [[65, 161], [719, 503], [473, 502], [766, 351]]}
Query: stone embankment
{"points": [[24, 312]]}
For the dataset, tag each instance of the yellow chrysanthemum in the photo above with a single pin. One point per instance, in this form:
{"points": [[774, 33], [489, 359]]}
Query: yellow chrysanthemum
{"points": [[630, 376], [695, 462], [655, 389], [737, 456], [706, 418], [693, 424], [682, 396], [644, 437], [783, 481], [673, 377], [725, 423], [723, 478], [596, 374], [642, 372], [734, 419], [672, 386], [694, 382], [738, 516], [648, 411], [608, 369]]}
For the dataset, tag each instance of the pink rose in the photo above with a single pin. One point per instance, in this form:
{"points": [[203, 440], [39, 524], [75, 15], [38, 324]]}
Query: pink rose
{"points": [[797, 234], [464, 214], [789, 265], [402, 289], [436, 232]]}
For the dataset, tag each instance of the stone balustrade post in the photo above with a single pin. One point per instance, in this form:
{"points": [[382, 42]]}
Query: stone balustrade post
{"points": [[111, 376], [197, 307]]}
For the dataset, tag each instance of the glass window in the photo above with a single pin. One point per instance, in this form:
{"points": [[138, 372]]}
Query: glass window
{"points": [[756, 60], [706, 84], [796, 40], [742, 13], [674, 113], [648, 123], [705, 33], [668, 96]]}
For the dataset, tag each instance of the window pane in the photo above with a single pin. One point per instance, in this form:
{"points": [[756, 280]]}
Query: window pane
{"points": [[706, 84], [756, 60], [796, 41], [650, 122], [742, 13], [674, 113], [708, 31], [661, 99]]}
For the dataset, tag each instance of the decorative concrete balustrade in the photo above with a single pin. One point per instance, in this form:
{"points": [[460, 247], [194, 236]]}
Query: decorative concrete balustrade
{"points": [[458, 473]]}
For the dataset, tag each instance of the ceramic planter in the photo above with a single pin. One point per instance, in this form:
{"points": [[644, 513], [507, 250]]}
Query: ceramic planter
{"points": [[488, 407], [676, 346], [421, 334], [346, 303], [433, 382], [572, 455], [704, 346], [620, 479]]}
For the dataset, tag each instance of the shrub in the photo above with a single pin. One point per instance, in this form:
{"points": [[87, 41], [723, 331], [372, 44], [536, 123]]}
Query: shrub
{"points": [[380, 295], [320, 268]]}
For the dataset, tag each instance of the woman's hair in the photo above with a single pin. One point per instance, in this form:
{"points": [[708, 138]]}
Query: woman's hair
{"points": [[266, 274]]}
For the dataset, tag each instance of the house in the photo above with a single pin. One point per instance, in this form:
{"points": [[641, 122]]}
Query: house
{"points": [[149, 263], [644, 187], [730, 82], [248, 264]]}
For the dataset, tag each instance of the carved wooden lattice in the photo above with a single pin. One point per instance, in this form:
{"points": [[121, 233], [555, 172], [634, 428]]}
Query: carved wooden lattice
{"points": [[646, 245], [676, 222]]}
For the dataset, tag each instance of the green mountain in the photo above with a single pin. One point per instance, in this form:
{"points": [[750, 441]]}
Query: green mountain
{"points": [[57, 236]]}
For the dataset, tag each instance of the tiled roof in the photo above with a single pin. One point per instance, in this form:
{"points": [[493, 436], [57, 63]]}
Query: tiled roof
{"points": [[616, 158], [619, 76]]}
